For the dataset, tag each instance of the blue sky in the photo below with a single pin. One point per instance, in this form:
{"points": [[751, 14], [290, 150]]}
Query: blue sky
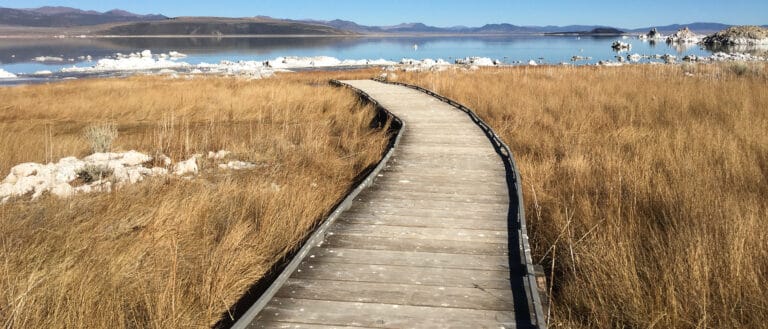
{"points": [[619, 13]]}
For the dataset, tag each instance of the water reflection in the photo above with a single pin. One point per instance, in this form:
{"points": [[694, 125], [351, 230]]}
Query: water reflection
{"points": [[755, 50], [16, 54], [682, 47]]}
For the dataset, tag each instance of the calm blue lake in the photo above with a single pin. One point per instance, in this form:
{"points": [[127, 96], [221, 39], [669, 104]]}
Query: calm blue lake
{"points": [[16, 55]]}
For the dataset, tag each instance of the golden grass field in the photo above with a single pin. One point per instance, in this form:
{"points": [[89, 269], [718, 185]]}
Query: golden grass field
{"points": [[646, 189], [168, 252]]}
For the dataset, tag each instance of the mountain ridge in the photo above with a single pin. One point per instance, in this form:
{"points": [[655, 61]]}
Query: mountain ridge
{"points": [[507, 28], [68, 17], [50, 16]]}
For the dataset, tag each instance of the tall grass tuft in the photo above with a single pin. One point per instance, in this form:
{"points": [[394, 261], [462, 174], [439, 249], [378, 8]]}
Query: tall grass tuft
{"points": [[646, 188], [101, 136], [172, 253]]}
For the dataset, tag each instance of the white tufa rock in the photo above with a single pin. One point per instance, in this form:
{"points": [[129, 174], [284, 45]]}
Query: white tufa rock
{"points": [[157, 171], [130, 158], [218, 155], [621, 46], [634, 57], [479, 61], [237, 165], [165, 159], [44, 59], [186, 167], [684, 35], [669, 59], [63, 190], [6, 75], [55, 178], [176, 54]]}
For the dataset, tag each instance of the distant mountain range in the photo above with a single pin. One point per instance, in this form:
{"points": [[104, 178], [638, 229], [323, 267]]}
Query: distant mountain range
{"points": [[699, 28], [68, 17], [120, 22], [505, 28], [213, 26]]}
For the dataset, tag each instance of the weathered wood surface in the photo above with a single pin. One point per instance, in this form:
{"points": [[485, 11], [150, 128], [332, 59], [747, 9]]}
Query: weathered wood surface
{"points": [[425, 247]]}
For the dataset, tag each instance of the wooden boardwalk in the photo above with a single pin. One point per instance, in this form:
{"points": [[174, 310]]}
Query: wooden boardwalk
{"points": [[426, 246]]}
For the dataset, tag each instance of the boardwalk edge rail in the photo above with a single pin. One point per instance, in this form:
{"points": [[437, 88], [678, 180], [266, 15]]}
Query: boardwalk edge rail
{"points": [[537, 311], [318, 235]]}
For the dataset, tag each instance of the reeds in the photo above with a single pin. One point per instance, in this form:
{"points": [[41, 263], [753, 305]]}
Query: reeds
{"points": [[171, 253], [645, 187]]}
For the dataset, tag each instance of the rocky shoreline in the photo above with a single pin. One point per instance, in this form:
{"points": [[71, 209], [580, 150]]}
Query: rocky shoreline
{"points": [[739, 35]]}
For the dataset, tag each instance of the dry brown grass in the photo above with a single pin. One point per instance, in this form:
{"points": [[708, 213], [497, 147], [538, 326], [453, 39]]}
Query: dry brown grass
{"points": [[646, 189], [170, 253]]}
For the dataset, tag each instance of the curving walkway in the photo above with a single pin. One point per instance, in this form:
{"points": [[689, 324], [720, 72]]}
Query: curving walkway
{"points": [[426, 246]]}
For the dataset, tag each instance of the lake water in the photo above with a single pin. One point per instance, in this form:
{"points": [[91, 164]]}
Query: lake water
{"points": [[16, 55]]}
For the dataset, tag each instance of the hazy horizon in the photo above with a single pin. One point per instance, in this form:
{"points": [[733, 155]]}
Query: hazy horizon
{"points": [[450, 12]]}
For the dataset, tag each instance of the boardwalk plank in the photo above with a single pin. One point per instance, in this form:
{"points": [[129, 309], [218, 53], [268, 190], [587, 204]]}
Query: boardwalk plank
{"points": [[410, 258], [400, 294], [365, 209], [428, 233], [428, 276], [410, 221], [431, 203], [445, 196], [381, 315], [295, 325], [432, 245]]}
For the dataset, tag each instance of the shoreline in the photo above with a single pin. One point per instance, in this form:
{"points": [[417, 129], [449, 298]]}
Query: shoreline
{"points": [[259, 70], [272, 36]]}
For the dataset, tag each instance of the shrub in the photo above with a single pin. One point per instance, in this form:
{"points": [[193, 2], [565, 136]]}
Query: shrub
{"points": [[101, 136], [91, 173], [740, 68]]}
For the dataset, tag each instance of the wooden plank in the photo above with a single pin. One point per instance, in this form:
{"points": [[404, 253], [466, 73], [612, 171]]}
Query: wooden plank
{"points": [[395, 167], [430, 164], [399, 294], [427, 213], [382, 315], [447, 181], [296, 325], [446, 177], [429, 276], [458, 136], [492, 159], [432, 245], [402, 232], [410, 258], [408, 186], [454, 149], [433, 203], [444, 196], [408, 221], [448, 140]]}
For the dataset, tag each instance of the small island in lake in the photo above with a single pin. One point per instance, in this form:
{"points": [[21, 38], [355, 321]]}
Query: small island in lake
{"points": [[600, 31]]}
